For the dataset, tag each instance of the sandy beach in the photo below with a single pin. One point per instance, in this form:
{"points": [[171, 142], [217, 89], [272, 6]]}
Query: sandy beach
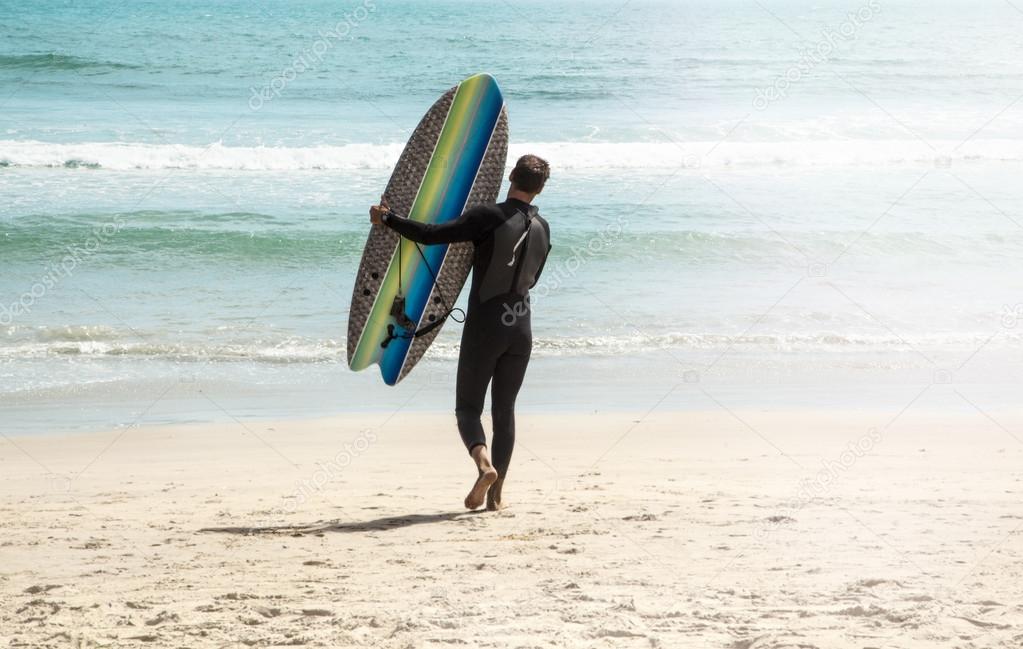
{"points": [[743, 530]]}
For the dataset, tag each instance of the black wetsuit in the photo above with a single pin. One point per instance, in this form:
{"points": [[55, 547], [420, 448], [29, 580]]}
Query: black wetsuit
{"points": [[511, 245]]}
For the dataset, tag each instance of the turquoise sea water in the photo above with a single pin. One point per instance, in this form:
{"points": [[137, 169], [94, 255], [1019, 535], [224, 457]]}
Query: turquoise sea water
{"points": [[767, 201]]}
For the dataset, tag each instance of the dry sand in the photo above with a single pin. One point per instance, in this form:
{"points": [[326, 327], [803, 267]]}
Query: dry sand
{"points": [[743, 530]]}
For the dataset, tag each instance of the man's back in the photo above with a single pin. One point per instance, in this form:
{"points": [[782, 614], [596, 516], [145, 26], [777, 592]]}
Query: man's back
{"points": [[511, 255]]}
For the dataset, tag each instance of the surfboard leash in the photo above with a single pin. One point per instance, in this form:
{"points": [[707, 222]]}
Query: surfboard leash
{"points": [[398, 306]]}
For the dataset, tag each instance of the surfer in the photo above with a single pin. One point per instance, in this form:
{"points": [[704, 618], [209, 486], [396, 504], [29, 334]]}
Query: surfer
{"points": [[511, 243]]}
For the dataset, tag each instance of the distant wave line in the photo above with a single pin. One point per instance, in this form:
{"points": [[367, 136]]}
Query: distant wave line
{"points": [[564, 155]]}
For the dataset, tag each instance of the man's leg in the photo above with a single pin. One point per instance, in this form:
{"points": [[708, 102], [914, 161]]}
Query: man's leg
{"points": [[486, 476], [509, 371], [476, 362]]}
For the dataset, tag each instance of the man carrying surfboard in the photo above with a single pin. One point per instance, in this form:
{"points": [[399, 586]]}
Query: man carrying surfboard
{"points": [[511, 242]]}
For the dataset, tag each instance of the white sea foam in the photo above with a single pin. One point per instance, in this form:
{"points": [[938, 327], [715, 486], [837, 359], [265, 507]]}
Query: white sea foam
{"points": [[70, 343], [566, 155]]}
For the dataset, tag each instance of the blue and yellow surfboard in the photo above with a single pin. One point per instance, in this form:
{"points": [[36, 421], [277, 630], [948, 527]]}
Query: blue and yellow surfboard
{"points": [[454, 160]]}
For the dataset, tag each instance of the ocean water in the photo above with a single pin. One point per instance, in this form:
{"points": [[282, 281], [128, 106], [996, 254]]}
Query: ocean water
{"points": [[757, 204]]}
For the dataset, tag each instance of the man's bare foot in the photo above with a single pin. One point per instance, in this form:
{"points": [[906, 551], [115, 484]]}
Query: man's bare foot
{"points": [[478, 492], [494, 503]]}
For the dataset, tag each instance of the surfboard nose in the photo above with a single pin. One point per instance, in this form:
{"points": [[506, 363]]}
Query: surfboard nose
{"points": [[483, 76], [484, 79]]}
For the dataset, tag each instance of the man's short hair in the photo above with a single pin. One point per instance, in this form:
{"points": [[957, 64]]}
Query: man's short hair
{"points": [[530, 173]]}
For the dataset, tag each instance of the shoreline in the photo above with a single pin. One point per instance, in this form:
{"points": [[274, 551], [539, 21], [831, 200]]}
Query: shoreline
{"points": [[212, 394]]}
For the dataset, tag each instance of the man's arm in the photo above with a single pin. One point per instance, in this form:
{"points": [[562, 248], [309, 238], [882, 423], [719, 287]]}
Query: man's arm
{"points": [[539, 271], [467, 227], [470, 226]]}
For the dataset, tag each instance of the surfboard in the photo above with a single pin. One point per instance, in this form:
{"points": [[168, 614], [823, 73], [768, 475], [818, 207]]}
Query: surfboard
{"points": [[454, 160]]}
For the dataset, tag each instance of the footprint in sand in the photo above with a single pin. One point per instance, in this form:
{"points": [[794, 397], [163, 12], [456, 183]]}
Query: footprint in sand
{"points": [[640, 517], [38, 610], [161, 617]]}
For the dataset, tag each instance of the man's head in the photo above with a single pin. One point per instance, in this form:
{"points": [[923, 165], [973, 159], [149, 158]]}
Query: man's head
{"points": [[530, 174]]}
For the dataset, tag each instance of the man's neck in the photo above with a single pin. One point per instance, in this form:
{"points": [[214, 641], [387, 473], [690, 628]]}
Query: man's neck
{"points": [[518, 194]]}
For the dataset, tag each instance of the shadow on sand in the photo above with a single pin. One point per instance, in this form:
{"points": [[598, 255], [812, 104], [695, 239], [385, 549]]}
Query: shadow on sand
{"points": [[320, 527]]}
